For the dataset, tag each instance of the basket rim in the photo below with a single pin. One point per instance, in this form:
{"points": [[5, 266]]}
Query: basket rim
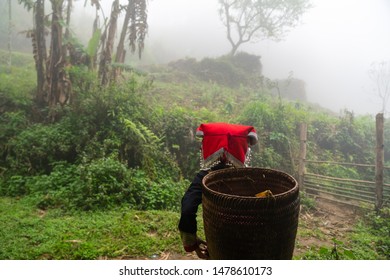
{"points": [[293, 189]]}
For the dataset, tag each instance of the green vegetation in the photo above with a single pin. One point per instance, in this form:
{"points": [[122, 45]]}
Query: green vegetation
{"points": [[102, 175], [368, 240], [29, 233]]}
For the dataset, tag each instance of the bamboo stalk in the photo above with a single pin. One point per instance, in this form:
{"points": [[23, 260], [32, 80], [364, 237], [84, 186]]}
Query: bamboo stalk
{"points": [[340, 179], [348, 185], [342, 189], [340, 195], [344, 201], [341, 163]]}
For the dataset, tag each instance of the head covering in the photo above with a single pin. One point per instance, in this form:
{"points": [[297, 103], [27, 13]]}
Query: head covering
{"points": [[229, 142]]}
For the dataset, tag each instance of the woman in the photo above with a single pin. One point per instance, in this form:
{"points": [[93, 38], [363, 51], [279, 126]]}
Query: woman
{"points": [[223, 146]]}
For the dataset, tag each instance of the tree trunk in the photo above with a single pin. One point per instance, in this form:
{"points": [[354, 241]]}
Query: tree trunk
{"points": [[94, 29], [234, 49], [9, 45], [56, 63], [40, 54], [120, 51], [67, 27], [68, 13], [106, 57]]}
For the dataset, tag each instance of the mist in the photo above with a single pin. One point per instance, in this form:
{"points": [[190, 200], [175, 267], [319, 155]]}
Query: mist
{"points": [[331, 49]]}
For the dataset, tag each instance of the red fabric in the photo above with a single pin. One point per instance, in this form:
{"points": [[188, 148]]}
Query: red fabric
{"points": [[228, 140]]}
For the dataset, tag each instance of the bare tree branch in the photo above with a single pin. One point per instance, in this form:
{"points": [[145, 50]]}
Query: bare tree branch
{"points": [[247, 20]]}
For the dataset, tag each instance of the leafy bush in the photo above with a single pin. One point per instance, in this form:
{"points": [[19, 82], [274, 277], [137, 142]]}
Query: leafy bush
{"points": [[220, 71], [16, 186], [104, 184], [16, 87], [231, 71], [11, 124], [99, 184], [34, 149], [61, 188], [179, 126], [276, 124], [189, 65], [249, 63], [150, 194]]}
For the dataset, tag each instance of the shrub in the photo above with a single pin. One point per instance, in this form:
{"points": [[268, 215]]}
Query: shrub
{"points": [[158, 194], [34, 149], [250, 63], [100, 184], [231, 71], [104, 183]]}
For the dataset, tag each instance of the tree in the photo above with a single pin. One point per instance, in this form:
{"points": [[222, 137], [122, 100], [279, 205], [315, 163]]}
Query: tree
{"points": [[9, 44], [108, 38], [248, 20], [38, 39], [58, 85], [380, 75], [96, 34], [135, 25], [53, 87]]}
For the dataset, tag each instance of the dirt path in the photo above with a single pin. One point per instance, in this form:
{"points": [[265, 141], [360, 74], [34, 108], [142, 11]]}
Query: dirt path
{"points": [[318, 228], [328, 222]]}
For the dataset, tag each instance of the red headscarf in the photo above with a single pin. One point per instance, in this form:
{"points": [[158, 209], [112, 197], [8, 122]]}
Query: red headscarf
{"points": [[226, 141]]}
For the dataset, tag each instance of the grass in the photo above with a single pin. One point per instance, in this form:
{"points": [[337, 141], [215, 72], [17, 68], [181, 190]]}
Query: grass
{"points": [[28, 233], [17, 81], [363, 242]]}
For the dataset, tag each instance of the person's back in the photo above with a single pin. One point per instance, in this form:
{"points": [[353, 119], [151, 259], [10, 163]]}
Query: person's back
{"points": [[223, 145]]}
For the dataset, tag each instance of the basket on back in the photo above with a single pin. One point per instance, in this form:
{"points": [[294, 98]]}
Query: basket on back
{"points": [[239, 225]]}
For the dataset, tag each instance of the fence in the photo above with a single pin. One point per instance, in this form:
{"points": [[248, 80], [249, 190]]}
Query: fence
{"points": [[348, 191]]}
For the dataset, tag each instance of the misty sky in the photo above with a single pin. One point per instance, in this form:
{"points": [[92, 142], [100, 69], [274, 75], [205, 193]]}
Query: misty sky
{"points": [[331, 50]]}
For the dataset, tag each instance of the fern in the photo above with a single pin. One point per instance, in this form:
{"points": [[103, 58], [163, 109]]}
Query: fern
{"points": [[133, 128], [152, 139]]}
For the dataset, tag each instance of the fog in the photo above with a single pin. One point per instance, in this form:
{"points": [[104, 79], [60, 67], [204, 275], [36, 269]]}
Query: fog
{"points": [[331, 49]]}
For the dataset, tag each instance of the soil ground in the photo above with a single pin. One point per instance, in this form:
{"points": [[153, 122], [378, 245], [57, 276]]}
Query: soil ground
{"points": [[330, 220], [317, 228]]}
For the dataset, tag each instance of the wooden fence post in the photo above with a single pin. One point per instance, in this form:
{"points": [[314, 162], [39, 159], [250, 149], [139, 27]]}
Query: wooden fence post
{"points": [[302, 154], [379, 165]]}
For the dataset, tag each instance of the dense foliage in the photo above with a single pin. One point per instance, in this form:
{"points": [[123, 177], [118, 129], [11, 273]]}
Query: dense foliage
{"points": [[133, 142], [99, 152], [130, 146]]}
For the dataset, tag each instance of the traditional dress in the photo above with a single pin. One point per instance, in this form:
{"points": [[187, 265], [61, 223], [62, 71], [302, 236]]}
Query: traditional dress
{"points": [[223, 145]]}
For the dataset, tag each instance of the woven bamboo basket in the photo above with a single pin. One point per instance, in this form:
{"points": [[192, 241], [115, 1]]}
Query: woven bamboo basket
{"points": [[239, 225]]}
